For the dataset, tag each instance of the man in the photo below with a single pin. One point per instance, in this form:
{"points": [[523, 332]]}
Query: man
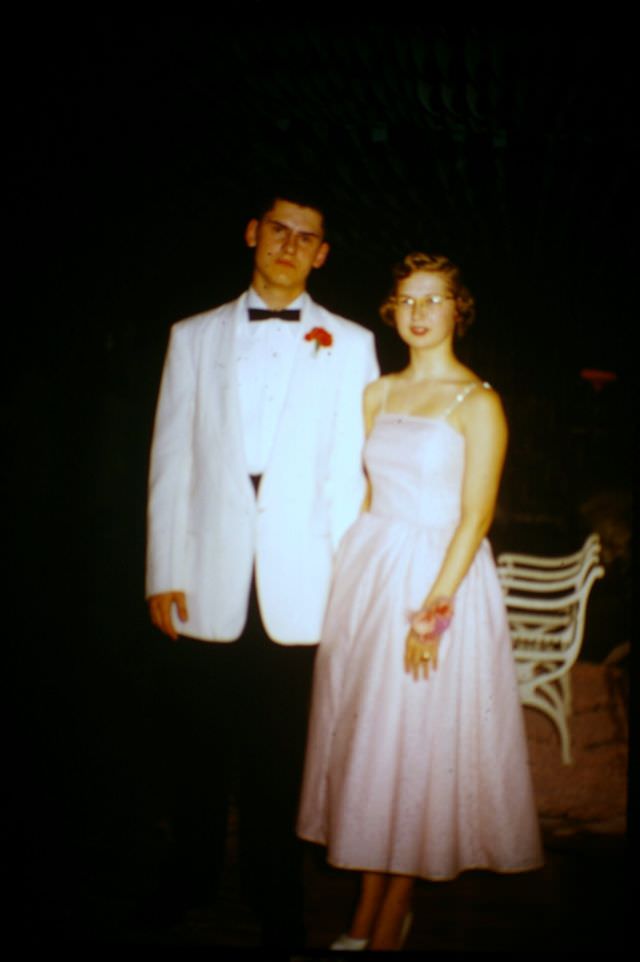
{"points": [[255, 475]]}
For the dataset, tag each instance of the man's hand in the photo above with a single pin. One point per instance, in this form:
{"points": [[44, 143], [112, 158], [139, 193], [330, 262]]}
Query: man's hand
{"points": [[160, 610]]}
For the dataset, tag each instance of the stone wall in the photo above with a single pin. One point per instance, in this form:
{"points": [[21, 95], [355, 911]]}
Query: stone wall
{"points": [[590, 794]]}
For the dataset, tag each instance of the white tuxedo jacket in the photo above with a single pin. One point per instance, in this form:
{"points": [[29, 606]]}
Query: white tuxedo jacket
{"points": [[205, 524]]}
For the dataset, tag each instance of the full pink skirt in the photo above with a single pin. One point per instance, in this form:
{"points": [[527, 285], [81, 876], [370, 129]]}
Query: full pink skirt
{"points": [[424, 778]]}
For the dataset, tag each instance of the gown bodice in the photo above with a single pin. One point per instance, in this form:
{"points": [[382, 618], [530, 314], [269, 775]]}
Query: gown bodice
{"points": [[415, 466]]}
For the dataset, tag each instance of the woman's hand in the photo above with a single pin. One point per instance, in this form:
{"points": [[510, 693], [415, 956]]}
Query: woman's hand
{"points": [[425, 629], [420, 654]]}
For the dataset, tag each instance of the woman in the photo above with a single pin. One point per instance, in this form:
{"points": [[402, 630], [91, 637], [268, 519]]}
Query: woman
{"points": [[416, 762]]}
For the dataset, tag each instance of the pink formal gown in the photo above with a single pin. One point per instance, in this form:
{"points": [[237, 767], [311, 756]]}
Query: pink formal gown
{"points": [[424, 778]]}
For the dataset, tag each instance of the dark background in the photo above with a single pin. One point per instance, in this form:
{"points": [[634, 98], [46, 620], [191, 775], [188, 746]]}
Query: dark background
{"points": [[135, 151]]}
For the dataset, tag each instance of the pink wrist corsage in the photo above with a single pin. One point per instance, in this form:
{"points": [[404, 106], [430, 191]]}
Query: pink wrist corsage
{"points": [[430, 622]]}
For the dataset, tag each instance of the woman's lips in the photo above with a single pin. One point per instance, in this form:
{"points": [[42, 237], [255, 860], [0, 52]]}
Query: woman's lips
{"points": [[418, 331]]}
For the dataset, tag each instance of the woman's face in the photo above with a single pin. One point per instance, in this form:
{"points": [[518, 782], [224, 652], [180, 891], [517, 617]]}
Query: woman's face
{"points": [[426, 311]]}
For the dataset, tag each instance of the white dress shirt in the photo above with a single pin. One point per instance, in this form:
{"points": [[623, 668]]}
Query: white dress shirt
{"points": [[265, 352]]}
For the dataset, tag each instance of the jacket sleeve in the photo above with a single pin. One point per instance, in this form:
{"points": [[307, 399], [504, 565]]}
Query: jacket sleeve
{"points": [[346, 482], [170, 470]]}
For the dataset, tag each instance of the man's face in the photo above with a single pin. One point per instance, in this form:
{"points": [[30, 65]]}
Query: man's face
{"points": [[288, 245]]}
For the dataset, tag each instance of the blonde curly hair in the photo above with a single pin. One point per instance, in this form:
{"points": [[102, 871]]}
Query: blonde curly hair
{"points": [[432, 264]]}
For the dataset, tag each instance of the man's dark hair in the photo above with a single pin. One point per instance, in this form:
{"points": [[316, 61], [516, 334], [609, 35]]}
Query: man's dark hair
{"points": [[301, 194]]}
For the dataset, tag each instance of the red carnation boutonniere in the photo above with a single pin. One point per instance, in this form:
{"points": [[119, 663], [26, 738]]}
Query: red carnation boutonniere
{"points": [[321, 337]]}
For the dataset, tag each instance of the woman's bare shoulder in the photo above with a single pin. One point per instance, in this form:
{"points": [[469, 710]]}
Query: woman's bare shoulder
{"points": [[374, 392], [482, 404]]}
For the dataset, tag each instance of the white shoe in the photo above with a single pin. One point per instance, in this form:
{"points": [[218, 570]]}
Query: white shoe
{"points": [[349, 944], [406, 926]]}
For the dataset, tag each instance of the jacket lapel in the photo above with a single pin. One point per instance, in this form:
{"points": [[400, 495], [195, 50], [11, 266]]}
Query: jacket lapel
{"points": [[223, 405]]}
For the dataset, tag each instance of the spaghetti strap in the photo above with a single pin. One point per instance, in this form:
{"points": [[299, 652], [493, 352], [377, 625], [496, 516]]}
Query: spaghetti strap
{"points": [[462, 394]]}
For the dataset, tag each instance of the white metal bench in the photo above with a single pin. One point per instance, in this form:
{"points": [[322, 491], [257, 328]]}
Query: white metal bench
{"points": [[546, 599]]}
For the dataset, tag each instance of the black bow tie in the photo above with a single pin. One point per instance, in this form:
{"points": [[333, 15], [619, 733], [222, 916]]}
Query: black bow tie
{"points": [[258, 314]]}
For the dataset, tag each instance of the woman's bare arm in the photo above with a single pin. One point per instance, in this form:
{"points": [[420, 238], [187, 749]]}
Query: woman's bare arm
{"points": [[483, 424], [371, 404]]}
